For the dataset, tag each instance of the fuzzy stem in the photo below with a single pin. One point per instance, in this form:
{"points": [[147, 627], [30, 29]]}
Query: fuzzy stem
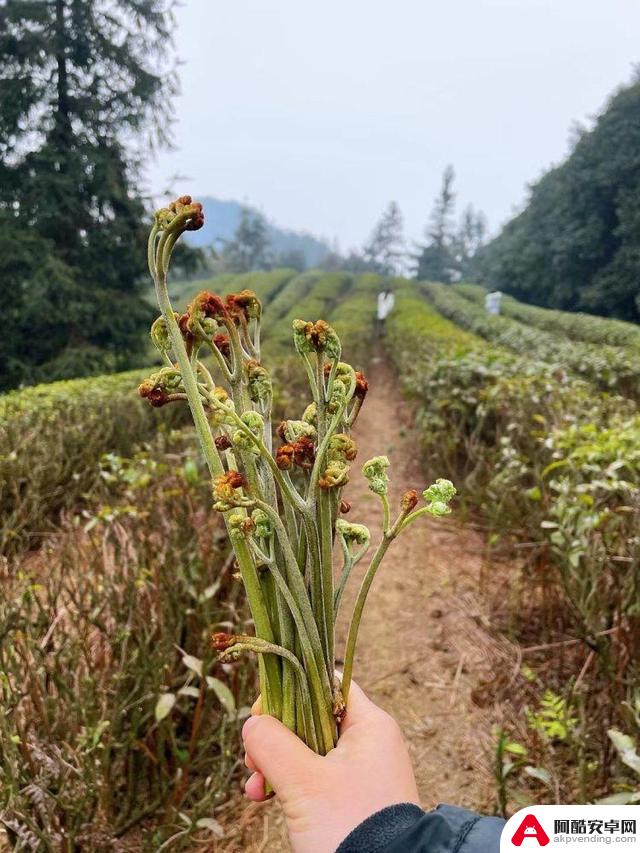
{"points": [[261, 619], [214, 463], [350, 561], [354, 625], [425, 510], [262, 648], [326, 567], [344, 577], [296, 597], [387, 513]]}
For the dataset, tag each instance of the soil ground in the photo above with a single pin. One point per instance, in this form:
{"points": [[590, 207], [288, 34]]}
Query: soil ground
{"points": [[425, 595]]}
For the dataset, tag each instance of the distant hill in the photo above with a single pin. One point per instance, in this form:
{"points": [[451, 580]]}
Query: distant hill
{"points": [[222, 218]]}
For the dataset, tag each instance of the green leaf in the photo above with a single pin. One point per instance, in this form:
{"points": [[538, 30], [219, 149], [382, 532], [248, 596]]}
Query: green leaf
{"points": [[539, 773], [626, 748], [193, 663], [225, 696], [191, 474], [210, 591], [560, 463], [624, 798], [515, 748], [164, 705], [212, 825], [507, 768], [189, 691]]}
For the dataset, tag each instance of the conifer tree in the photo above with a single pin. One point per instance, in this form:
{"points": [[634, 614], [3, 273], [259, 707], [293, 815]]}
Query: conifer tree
{"points": [[434, 260], [385, 250], [80, 79], [249, 248]]}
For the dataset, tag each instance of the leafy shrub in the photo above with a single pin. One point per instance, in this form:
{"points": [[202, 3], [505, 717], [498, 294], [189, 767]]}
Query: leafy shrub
{"points": [[51, 438], [266, 284], [52, 435], [576, 326], [354, 317], [609, 368], [310, 294], [114, 709], [548, 461]]}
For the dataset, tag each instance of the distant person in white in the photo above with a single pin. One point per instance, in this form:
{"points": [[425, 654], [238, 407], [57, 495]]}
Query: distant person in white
{"points": [[386, 301], [492, 303]]}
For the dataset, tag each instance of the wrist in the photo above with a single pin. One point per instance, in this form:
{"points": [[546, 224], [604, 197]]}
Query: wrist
{"points": [[379, 829]]}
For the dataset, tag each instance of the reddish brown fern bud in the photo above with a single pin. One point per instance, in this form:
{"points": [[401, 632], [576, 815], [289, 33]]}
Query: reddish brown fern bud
{"points": [[248, 525], [222, 641], [197, 217], [223, 344], [155, 396], [345, 507], [209, 304], [280, 430], [318, 333], [304, 452], [284, 457], [222, 442], [191, 211], [225, 490], [235, 479], [183, 325], [409, 500], [362, 386], [244, 304]]}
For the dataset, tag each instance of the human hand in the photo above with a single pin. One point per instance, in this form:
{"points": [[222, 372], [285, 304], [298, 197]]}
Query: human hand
{"points": [[325, 797]]}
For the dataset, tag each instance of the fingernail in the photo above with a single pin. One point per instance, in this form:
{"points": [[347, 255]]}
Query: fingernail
{"points": [[248, 724]]}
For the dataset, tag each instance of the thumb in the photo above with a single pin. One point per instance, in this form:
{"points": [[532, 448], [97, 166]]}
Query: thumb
{"points": [[278, 753], [360, 709]]}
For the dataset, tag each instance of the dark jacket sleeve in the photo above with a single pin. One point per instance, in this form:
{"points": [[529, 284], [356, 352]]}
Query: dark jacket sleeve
{"points": [[405, 828]]}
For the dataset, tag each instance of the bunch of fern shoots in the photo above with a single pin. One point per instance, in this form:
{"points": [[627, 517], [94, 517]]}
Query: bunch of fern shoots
{"points": [[283, 505]]}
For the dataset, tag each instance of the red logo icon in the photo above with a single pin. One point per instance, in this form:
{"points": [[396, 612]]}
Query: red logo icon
{"points": [[530, 828]]}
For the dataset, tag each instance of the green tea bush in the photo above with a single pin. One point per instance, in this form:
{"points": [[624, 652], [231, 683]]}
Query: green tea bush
{"points": [[293, 292], [576, 326], [51, 438], [549, 462], [354, 318], [501, 421], [115, 712], [311, 294], [266, 284], [608, 368], [118, 716], [52, 435]]}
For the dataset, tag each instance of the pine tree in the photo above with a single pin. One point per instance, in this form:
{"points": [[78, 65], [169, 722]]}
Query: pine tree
{"points": [[385, 252], [435, 260], [79, 79], [249, 248], [469, 239]]}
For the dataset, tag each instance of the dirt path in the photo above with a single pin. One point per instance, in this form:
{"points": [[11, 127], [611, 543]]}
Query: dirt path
{"points": [[425, 594]]}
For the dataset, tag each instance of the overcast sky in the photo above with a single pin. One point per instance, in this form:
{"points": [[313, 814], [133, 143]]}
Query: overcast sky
{"points": [[321, 112]]}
